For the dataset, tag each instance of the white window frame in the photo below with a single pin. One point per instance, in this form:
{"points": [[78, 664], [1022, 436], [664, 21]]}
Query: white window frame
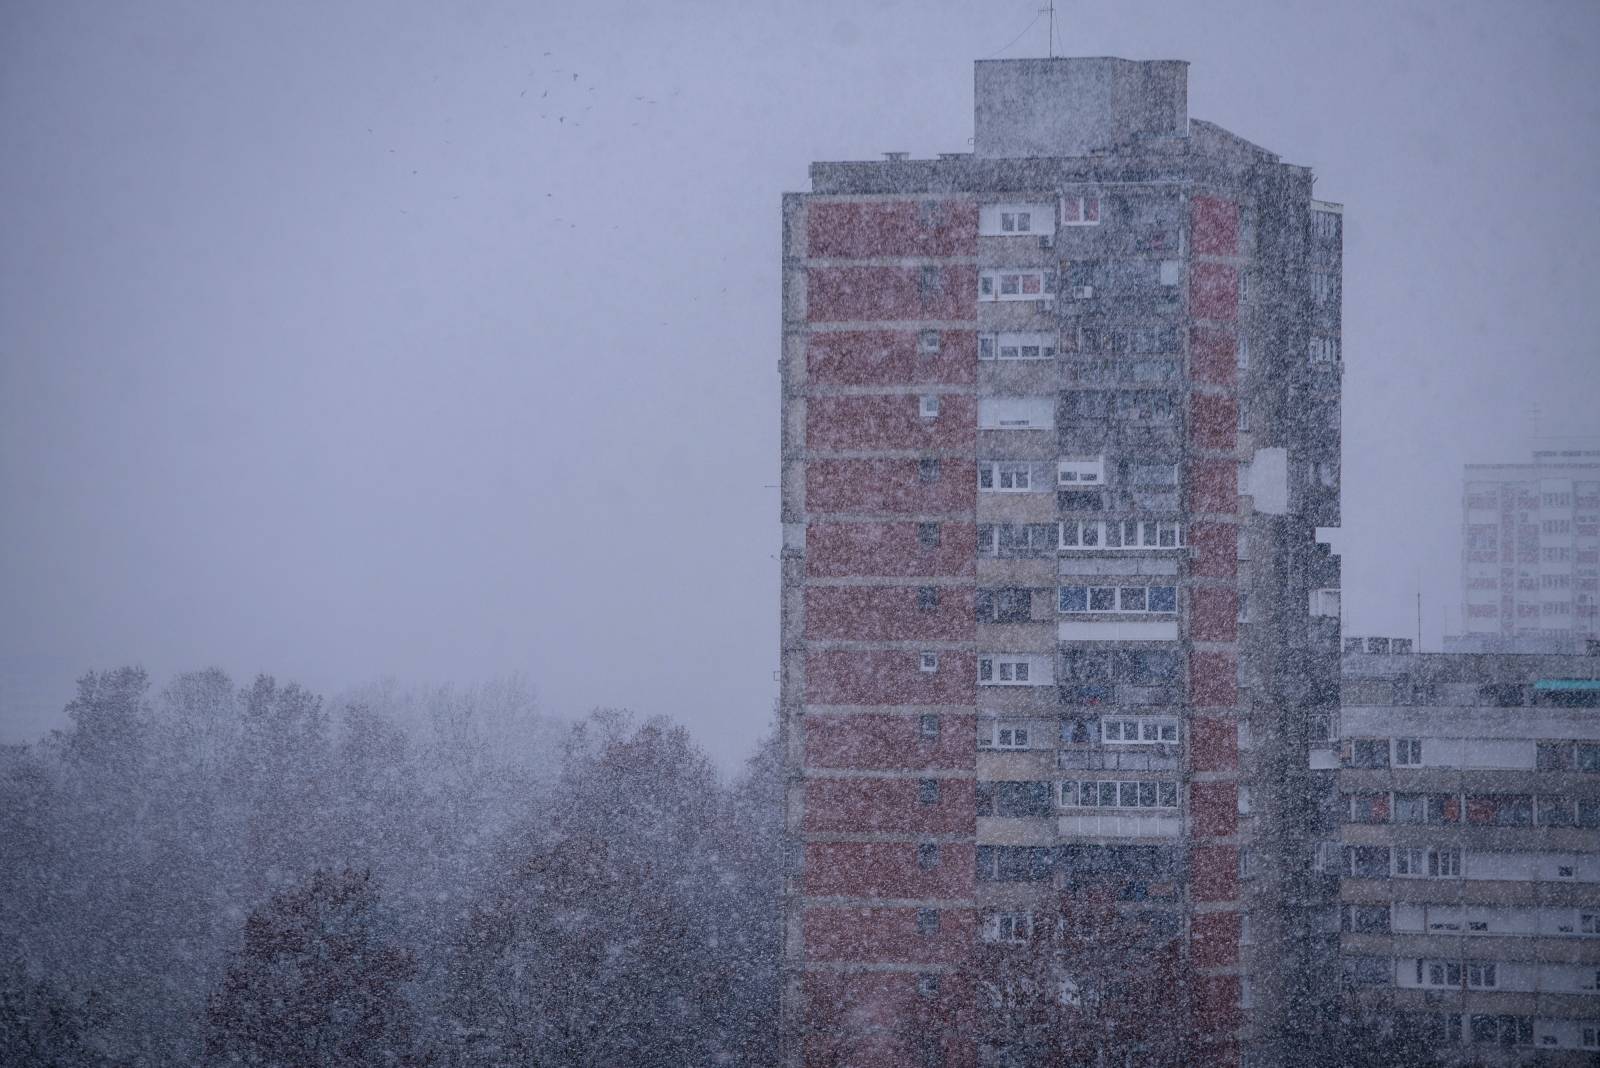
{"points": [[1324, 349], [928, 342], [1093, 534], [928, 662], [1018, 346], [1005, 734], [1077, 471], [1426, 862], [1012, 928], [1118, 594], [993, 476], [928, 406], [1075, 211], [1005, 670], [1481, 975], [1148, 730], [1003, 284], [1125, 794], [1407, 748], [1439, 974], [1017, 218], [1241, 353], [1170, 272]]}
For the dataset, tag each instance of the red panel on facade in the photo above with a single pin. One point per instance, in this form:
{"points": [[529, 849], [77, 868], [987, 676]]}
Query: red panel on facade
{"points": [[1213, 356], [1214, 939], [890, 550], [1213, 614], [1213, 292], [891, 486], [891, 294], [889, 677], [1213, 550], [890, 421], [879, 1020], [1214, 486], [889, 806], [1214, 873], [890, 358], [1214, 809], [1213, 680], [888, 613], [1213, 421], [1215, 227], [1214, 1001], [887, 869], [1213, 743], [887, 935], [877, 742], [855, 230]]}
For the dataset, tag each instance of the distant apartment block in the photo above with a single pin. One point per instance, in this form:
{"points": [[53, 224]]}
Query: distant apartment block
{"points": [[1468, 789], [1060, 422], [1530, 557]]}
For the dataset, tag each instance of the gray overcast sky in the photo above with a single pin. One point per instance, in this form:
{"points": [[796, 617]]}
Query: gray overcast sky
{"points": [[342, 340]]}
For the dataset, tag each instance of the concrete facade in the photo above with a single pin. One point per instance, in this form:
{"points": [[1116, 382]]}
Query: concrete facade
{"points": [[1468, 796]]}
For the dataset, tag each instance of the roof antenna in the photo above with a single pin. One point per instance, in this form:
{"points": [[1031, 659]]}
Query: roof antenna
{"points": [[1051, 10]]}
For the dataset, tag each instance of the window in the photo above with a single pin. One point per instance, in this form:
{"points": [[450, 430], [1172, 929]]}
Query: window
{"points": [[1589, 923], [928, 406], [1480, 976], [1426, 808], [927, 471], [1121, 534], [927, 791], [1006, 671], [931, 281], [1005, 476], [928, 342], [927, 598], [1368, 753], [1017, 540], [927, 856], [1325, 225], [1501, 810], [1368, 971], [1119, 794], [1407, 752], [927, 985], [1154, 475], [1322, 287], [928, 725], [1324, 350], [1080, 211], [1367, 862], [1010, 737], [1139, 730], [1241, 354], [928, 535], [1439, 973], [1012, 927], [1368, 808], [1004, 605], [1017, 346], [1169, 272], [999, 220], [1244, 419], [1556, 811], [927, 921], [1416, 863], [1078, 471], [1118, 599], [928, 662], [1016, 284], [1502, 1030], [1365, 919]]}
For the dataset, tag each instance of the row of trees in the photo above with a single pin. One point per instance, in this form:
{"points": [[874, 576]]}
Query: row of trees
{"points": [[217, 874]]}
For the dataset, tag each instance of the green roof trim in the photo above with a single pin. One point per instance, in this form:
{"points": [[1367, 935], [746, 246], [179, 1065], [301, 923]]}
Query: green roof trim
{"points": [[1567, 684]]}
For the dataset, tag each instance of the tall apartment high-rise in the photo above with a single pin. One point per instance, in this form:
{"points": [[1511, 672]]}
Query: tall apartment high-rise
{"points": [[1060, 422], [1530, 552]]}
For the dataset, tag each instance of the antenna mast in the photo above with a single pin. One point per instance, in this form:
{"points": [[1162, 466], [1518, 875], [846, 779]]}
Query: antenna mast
{"points": [[1052, 11]]}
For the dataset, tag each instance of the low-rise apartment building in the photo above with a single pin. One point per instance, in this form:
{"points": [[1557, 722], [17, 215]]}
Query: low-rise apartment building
{"points": [[1467, 790]]}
